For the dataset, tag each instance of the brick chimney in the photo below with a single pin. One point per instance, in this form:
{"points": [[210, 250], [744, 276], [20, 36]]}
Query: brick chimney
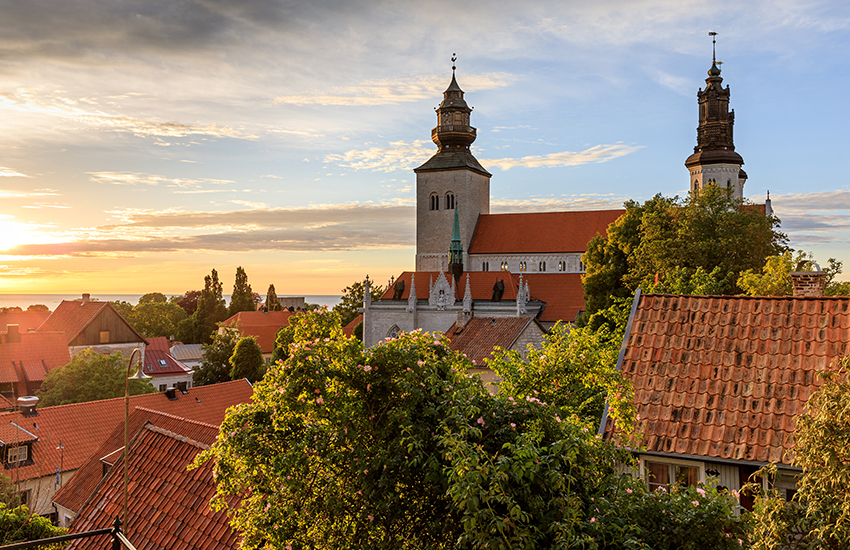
{"points": [[86, 298], [13, 333], [808, 284]]}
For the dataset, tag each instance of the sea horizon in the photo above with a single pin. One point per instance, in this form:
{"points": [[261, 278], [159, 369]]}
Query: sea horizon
{"points": [[53, 300]]}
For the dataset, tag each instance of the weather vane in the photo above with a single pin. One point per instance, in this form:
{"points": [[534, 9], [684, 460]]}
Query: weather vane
{"points": [[712, 34], [454, 58]]}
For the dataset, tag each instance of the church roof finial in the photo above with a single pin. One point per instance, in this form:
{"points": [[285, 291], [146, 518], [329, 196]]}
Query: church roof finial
{"points": [[714, 70]]}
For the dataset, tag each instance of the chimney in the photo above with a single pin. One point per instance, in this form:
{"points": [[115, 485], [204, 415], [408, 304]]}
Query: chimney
{"points": [[13, 333], [86, 298], [808, 284], [171, 393], [27, 404]]}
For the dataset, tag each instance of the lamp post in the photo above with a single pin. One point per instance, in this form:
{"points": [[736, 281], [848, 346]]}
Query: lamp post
{"points": [[138, 375]]}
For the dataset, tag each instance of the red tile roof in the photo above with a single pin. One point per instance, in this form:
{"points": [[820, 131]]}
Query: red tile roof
{"points": [[71, 317], [263, 326], [723, 377], [161, 363], [83, 426], [74, 494], [539, 232], [480, 335], [158, 343], [168, 505], [348, 329], [33, 355], [26, 320], [12, 433], [562, 292]]}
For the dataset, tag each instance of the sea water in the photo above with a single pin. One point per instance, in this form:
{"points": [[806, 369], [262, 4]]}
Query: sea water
{"points": [[52, 300]]}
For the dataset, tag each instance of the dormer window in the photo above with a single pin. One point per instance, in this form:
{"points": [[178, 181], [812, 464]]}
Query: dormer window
{"points": [[17, 454]]}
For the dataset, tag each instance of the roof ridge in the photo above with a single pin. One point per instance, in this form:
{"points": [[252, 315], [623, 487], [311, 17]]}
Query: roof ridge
{"points": [[178, 437], [175, 417]]}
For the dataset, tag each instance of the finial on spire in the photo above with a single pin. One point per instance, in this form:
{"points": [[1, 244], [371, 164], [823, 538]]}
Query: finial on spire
{"points": [[712, 34], [454, 58], [715, 70]]}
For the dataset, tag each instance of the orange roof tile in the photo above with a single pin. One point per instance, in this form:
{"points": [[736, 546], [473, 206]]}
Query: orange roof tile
{"points": [[348, 329], [34, 353], [158, 343], [263, 326], [82, 427], [562, 292], [168, 505], [539, 232], [480, 335], [26, 320], [74, 494], [722, 377]]}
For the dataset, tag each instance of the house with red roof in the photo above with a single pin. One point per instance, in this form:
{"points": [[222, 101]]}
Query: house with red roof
{"points": [[477, 337], [165, 370], [168, 505], [262, 325], [26, 358], [41, 448], [718, 380], [26, 320], [89, 324]]}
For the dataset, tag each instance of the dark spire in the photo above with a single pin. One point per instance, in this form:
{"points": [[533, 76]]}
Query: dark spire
{"points": [[456, 250]]}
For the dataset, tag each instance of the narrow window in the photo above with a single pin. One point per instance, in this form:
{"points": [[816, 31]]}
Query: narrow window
{"points": [[450, 201], [485, 266], [435, 202], [580, 265]]}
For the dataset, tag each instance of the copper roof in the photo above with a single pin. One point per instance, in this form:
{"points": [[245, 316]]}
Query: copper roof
{"points": [[168, 505], [161, 363], [480, 335], [723, 377], [540, 232], [263, 326], [83, 426]]}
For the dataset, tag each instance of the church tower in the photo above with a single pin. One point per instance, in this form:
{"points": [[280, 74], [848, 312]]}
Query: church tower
{"points": [[452, 180], [714, 159]]}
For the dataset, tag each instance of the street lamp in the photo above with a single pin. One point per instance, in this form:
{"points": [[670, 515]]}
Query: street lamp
{"points": [[138, 375]]}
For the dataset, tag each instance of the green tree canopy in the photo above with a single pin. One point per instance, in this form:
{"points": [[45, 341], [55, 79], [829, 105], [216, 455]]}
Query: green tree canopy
{"points": [[710, 230], [90, 376], [211, 308], [18, 524], [247, 360], [215, 363], [153, 318], [284, 337], [153, 297], [272, 303], [775, 277], [38, 307], [125, 309], [188, 301], [395, 447], [242, 298], [352, 299]]}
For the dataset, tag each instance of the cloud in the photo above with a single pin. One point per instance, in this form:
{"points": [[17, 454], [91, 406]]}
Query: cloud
{"points": [[679, 84], [9, 173], [24, 194], [400, 155], [592, 201], [392, 91], [251, 204], [593, 155], [814, 218], [141, 178]]}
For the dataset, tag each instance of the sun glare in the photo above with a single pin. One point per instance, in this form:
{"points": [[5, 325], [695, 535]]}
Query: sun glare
{"points": [[13, 234]]}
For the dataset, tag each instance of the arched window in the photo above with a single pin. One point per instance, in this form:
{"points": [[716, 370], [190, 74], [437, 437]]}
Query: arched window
{"points": [[580, 265], [450, 201], [504, 266], [541, 266], [393, 331], [523, 266], [562, 266], [435, 201], [485, 266]]}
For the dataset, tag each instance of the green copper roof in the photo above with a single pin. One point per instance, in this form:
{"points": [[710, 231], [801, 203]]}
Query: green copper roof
{"points": [[456, 233], [714, 70]]}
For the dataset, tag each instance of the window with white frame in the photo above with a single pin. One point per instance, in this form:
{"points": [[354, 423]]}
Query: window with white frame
{"points": [[662, 471], [17, 454]]}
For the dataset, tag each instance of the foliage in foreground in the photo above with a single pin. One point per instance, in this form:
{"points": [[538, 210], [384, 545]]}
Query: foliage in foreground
{"points": [[215, 364], [775, 277], [89, 376], [19, 525], [819, 515], [396, 447]]}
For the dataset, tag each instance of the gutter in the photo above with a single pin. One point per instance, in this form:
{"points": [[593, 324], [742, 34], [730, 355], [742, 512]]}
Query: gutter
{"points": [[620, 357]]}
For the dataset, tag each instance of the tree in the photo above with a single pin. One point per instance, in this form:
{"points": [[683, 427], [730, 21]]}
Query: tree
{"points": [[89, 376], [574, 369], [215, 363], [242, 298], [18, 524], [395, 447], [38, 307], [125, 309], [685, 280], [819, 514], [709, 230], [775, 276], [154, 319], [352, 299], [272, 303], [284, 337], [247, 360], [211, 308], [153, 297], [189, 301]]}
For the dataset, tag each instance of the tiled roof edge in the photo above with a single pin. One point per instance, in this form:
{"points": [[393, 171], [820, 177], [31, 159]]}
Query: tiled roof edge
{"points": [[178, 437], [175, 417]]}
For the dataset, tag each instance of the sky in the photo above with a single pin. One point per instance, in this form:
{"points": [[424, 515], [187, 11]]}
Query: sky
{"points": [[145, 142]]}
